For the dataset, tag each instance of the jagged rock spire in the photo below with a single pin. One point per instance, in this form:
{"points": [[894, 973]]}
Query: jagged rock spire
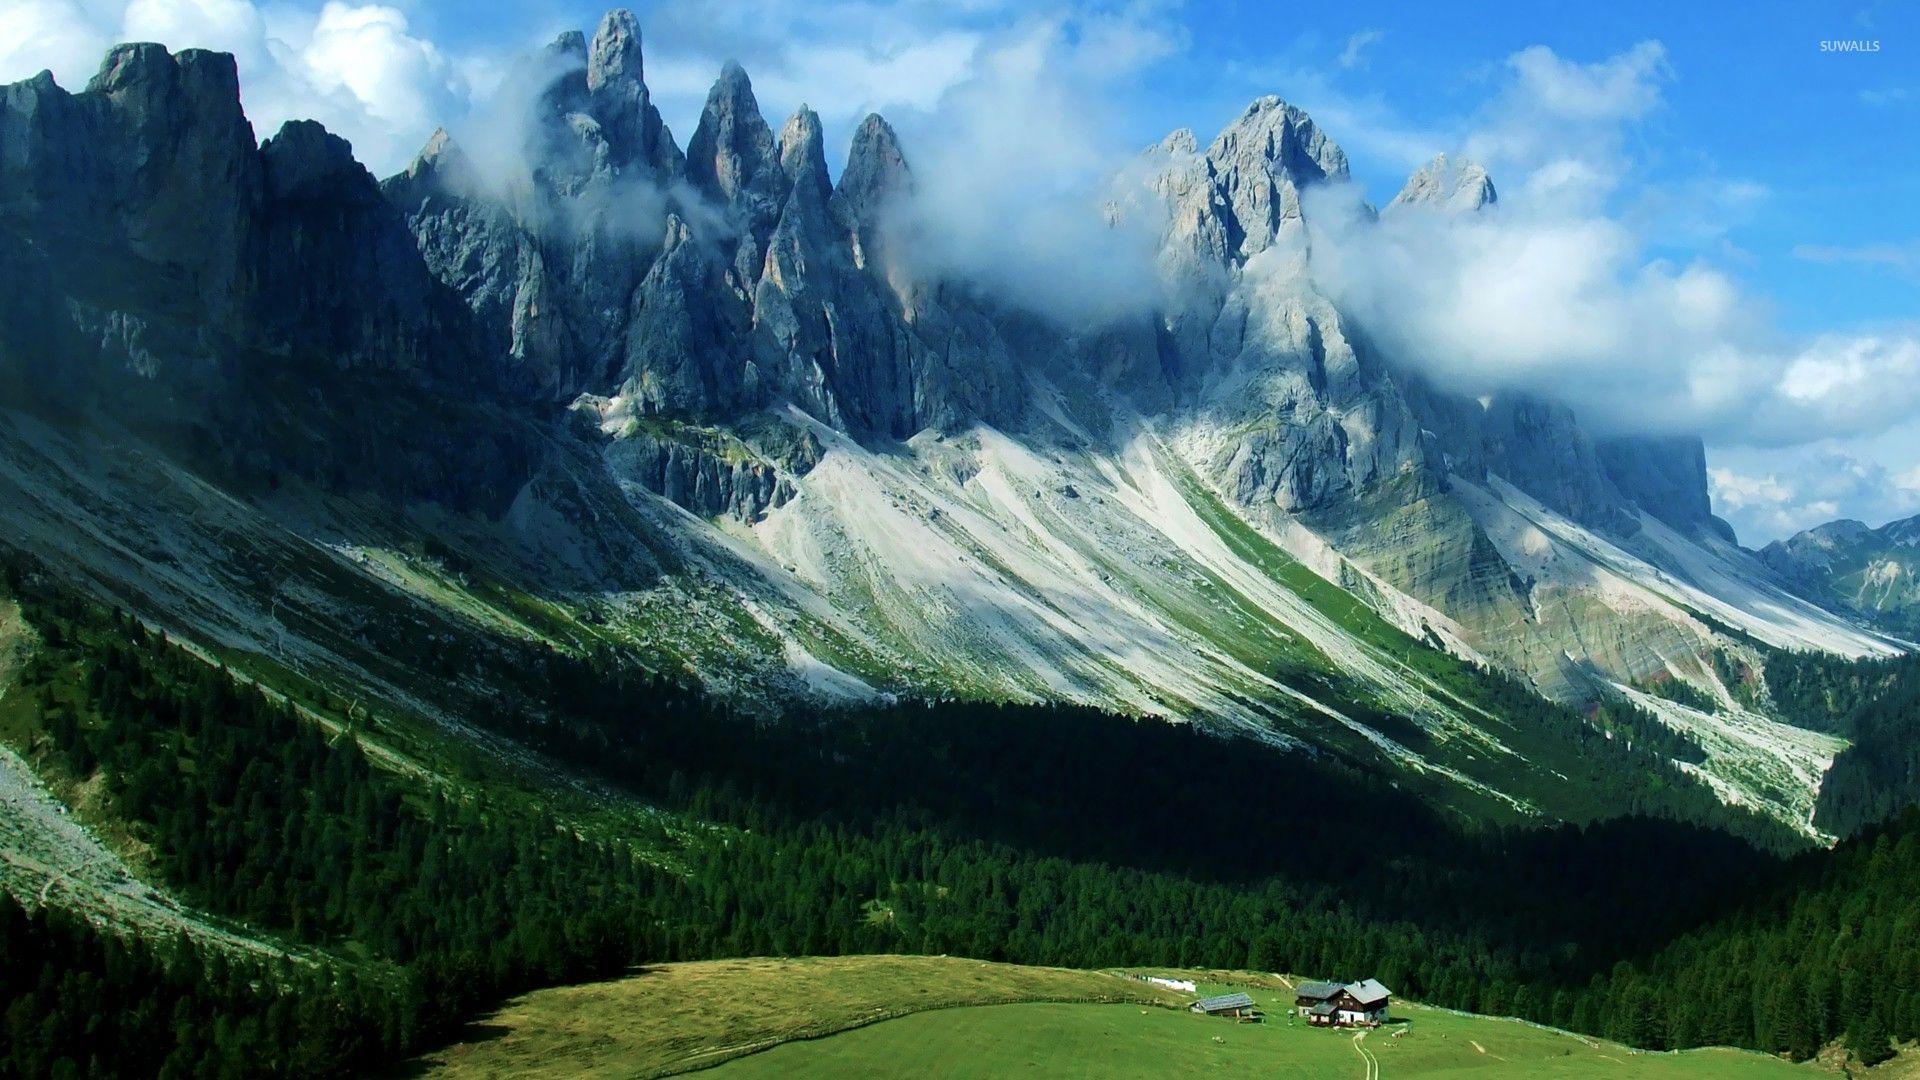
{"points": [[619, 101], [1260, 162], [733, 159], [876, 171], [1456, 186], [732, 154], [803, 157], [614, 61]]}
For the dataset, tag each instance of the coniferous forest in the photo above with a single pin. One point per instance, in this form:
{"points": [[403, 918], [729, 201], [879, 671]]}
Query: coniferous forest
{"points": [[1037, 834]]}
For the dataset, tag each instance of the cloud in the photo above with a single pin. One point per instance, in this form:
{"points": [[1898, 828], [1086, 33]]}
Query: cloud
{"points": [[1014, 164], [1571, 307], [1899, 258], [1563, 289], [1353, 55], [396, 79], [356, 68], [1811, 487], [57, 35], [1557, 127]]}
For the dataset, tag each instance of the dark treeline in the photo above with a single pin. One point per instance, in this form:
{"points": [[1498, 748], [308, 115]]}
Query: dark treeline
{"points": [[81, 1003], [1876, 705], [1023, 833]]}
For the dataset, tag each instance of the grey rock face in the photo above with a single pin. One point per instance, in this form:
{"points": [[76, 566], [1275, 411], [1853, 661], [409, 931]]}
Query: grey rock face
{"points": [[1255, 170], [155, 158], [686, 347], [733, 159], [620, 102], [1666, 477], [704, 472], [875, 176], [339, 279], [1460, 187], [548, 261], [706, 286], [284, 249], [1852, 566]]}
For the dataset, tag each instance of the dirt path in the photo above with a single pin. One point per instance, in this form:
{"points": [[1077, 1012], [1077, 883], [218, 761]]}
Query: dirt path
{"points": [[1367, 1059]]}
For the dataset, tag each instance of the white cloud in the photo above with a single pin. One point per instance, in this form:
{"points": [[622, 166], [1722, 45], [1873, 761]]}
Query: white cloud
{"points": [[1900, 258], [386, 88], [58, 35], [1353, 55], [1808, 487], [1561, 289], [1556, 128], [234, 26], [1013, 165], [1626, 86], [354, 67]]}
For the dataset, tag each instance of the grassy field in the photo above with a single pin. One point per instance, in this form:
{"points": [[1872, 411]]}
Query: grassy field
{"points": [[1118, 1041], [677, 1017], [945, 1017]]}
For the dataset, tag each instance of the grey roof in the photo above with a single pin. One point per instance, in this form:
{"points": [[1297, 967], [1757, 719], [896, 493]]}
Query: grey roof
{"points": [[1316, 991], [1325, 1008], [1224, 1002], [1368, 991]]}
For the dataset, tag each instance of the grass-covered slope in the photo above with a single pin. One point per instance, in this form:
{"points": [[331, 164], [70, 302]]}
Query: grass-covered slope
{"points": [[672, 1018], [940, 1016]]}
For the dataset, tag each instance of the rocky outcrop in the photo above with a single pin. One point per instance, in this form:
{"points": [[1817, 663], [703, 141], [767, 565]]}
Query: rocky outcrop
{"points": [[1452, 186], [731, 278], [707, 472], [693, 295], [1248, 344], [1666, 477], [154, 159], [339, 280], [548, 249], [186, 250], [1256, 169], [621, 104], [875, 178], [733, 159]]}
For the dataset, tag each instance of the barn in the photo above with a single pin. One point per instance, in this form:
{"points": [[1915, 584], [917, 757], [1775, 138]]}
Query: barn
{"points": [[1238, 1006]]}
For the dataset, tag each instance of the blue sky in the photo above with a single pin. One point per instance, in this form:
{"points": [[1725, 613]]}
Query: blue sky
{"points": [[1716, 146]]}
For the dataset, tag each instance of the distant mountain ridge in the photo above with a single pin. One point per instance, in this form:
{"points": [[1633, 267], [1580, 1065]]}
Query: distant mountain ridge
{"points": [[1857, 568], [591, 387]]}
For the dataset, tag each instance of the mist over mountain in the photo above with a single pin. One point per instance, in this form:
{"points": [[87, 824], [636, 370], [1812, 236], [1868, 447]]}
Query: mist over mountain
{"points": [[666, 382]]}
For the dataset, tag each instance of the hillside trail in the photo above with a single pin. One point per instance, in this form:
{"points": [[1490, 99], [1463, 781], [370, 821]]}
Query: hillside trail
{"points": [[1370, 1062]]}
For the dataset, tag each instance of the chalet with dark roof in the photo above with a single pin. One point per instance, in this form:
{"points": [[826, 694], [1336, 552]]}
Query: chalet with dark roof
{"points": [[1354, 1004]]}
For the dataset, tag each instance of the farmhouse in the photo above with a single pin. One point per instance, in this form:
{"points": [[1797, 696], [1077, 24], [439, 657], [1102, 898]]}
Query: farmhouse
{"points": [[1238, 1006], [1335, 1005]]}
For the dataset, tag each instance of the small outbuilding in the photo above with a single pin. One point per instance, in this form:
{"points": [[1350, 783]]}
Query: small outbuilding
{"points": [[1238, 1006]]}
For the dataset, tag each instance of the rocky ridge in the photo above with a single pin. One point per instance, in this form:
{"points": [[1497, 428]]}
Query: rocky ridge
{"points": [[688, 303]]}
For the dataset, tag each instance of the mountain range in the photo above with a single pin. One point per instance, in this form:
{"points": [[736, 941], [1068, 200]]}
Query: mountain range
{"points": [[1854, 568], [570, 384]]}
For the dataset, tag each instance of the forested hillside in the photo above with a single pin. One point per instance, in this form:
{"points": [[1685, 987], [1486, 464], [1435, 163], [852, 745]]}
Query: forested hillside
{"points": [[1876, 705], [1034, 834]]}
